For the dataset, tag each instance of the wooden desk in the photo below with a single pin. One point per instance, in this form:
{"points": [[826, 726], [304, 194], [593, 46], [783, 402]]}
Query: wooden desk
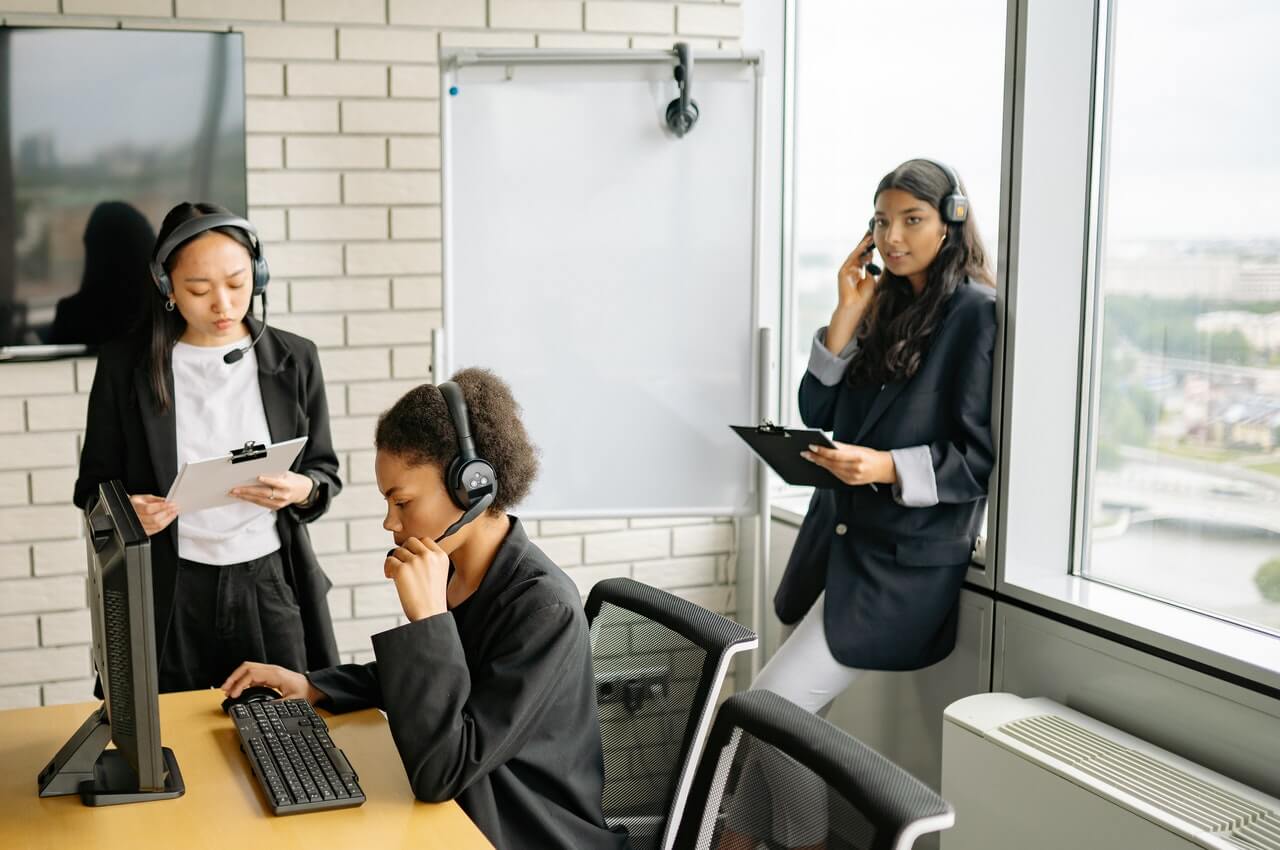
{"points": [[223, 808]]}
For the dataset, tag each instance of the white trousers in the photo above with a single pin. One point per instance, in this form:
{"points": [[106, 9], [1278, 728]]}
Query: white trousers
{"points": [[803, 669]]}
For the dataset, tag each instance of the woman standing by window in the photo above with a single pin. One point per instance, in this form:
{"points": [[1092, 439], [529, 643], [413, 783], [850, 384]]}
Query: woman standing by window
{"points": [[902, 376]]}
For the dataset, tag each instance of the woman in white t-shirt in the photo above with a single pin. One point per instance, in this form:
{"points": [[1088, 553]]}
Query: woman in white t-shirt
{"points": [[201, 377]]}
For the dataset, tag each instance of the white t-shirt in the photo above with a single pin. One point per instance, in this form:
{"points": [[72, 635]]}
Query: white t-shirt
{"points": [[218, 407]]}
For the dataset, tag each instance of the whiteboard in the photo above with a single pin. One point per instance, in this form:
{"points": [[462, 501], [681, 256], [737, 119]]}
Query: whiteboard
{"points": [[606, 270]]}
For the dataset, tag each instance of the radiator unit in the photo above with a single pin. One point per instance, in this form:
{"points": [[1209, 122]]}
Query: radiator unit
{"points": [[1030, 773]]}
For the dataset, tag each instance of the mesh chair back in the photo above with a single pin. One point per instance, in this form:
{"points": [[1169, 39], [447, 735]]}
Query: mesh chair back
{"points": [[775, 776], [659, 663]]}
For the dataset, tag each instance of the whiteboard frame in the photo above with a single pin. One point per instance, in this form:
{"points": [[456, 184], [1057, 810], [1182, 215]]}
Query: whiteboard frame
{"points": [[451, 59]]}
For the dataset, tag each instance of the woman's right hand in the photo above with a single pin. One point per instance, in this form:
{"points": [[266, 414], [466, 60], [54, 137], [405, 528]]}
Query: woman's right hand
{"points": [[154, 513], [291, 685], [854, 284]]}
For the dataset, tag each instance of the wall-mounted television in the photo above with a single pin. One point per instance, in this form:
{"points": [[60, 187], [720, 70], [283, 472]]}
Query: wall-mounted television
{"points": [[101, 132]]}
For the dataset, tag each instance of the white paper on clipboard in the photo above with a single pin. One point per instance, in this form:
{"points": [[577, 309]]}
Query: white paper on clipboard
{"points": [[206, 483]]}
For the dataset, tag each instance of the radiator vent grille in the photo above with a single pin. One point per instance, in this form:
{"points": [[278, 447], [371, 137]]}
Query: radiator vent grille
{"points": [[1174, 792]]}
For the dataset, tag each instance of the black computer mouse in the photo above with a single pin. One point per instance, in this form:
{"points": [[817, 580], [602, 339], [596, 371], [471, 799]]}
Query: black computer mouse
{"points": [[253, 693]]}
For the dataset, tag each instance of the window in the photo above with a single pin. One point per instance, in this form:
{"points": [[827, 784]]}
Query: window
{"points": [[877, 84], [1182, 471]]}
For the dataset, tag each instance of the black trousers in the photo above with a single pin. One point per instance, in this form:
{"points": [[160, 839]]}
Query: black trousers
{"points": [[229, 614]]}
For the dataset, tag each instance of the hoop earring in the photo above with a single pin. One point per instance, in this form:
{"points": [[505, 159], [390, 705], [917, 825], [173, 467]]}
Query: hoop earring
{"points": [[169, 305]]}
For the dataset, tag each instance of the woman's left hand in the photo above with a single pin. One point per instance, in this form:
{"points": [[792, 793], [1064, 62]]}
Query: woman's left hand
{"points": [[854, 464], [420, 569], [274, 492]]}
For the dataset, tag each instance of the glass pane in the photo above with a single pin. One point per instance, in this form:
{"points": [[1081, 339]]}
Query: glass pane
{"points": [[1185, 477], [877, 84]]}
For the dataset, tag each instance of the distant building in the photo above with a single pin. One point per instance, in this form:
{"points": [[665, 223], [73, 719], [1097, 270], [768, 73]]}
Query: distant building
{"points": [[1210, 272], [1248, 424]]}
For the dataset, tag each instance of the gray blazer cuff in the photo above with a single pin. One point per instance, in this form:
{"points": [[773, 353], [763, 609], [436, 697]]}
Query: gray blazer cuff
{"points": [[916, 487], [829, 368]]}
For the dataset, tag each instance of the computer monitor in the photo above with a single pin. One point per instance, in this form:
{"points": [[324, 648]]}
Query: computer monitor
{"points": [[124, 653]]}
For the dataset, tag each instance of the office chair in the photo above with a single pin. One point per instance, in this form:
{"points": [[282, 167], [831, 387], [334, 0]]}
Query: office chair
{"points": [[659, 664], [773, 775]]}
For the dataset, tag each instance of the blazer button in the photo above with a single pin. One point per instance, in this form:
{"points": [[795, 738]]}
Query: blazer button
{"points": [[841, 528]]}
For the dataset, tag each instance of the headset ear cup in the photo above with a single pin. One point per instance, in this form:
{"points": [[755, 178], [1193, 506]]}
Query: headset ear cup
{"points": [[468, 477], [261, 274], [453, 483], [161, 279], [955, 209], [681, 121], [477, 479]]}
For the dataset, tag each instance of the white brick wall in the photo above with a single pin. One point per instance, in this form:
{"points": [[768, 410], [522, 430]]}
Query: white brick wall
{"points": [[336, 79], [254, 10], [536, 14], [337, 11], [633, 16], [438, 13], [344, 184]]}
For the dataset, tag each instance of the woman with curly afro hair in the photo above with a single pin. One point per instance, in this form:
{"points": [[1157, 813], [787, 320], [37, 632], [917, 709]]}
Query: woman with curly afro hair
{"points": [[488, 688]]}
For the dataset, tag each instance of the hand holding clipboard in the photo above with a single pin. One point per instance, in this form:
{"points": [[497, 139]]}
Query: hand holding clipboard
{"points": [[781, 447], [208, 483]]}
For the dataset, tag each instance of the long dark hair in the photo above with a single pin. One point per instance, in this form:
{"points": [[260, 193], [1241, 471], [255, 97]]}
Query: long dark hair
{"points": [[166, 326], [898, 326]]}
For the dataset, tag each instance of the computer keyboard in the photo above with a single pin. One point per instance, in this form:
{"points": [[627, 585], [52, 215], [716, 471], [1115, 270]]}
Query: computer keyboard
{"points": [[296, 764]]}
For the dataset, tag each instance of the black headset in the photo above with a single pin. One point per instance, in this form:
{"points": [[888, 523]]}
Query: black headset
{"points": [[470, 479], [955, 206], [682, 113], [194, 227]]}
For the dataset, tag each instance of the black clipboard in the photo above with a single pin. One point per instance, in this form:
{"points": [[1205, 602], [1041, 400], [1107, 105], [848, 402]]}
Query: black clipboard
{"points": [[780, 448]]}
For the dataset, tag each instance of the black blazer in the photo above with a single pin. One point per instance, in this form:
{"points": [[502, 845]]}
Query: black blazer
{"points": [[892, 573], [494, 704], [126, 439]]}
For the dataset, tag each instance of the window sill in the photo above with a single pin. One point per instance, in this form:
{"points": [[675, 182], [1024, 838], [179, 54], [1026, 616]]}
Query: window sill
{"points": [[1236, 650], [789, 506]]}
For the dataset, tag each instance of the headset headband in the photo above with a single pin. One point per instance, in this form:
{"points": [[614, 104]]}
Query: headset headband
{"points": [[952, 177], [457, 405], [196, 226]]}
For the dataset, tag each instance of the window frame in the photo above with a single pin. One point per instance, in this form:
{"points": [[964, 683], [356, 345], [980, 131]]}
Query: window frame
{"points": [[1057, 95]]}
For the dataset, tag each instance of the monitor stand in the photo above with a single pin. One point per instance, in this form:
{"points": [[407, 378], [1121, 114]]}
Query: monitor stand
{"points": [[115, 782], [100, 776]]}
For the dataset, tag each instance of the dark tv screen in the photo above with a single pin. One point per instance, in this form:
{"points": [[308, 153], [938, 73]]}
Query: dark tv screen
{"points": [[101, 132]]}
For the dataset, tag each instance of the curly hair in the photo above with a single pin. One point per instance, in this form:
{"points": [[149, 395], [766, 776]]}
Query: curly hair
{"points": [[418, 429]]}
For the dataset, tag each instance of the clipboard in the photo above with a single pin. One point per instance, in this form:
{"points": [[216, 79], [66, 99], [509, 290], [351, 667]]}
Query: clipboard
{"points": [[206, 483], [780, 448]]}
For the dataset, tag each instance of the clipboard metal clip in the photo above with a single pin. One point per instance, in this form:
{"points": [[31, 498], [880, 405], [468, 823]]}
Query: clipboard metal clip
{"points": [[767, 427], [251, 451]]}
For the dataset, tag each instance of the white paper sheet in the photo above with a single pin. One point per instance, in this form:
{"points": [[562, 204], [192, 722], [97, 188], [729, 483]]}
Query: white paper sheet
{"points": [[207, 483]]}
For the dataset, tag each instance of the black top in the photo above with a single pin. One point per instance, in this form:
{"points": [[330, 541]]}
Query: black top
{"points": [[493, 704], [892, 573], [127, 439]]}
